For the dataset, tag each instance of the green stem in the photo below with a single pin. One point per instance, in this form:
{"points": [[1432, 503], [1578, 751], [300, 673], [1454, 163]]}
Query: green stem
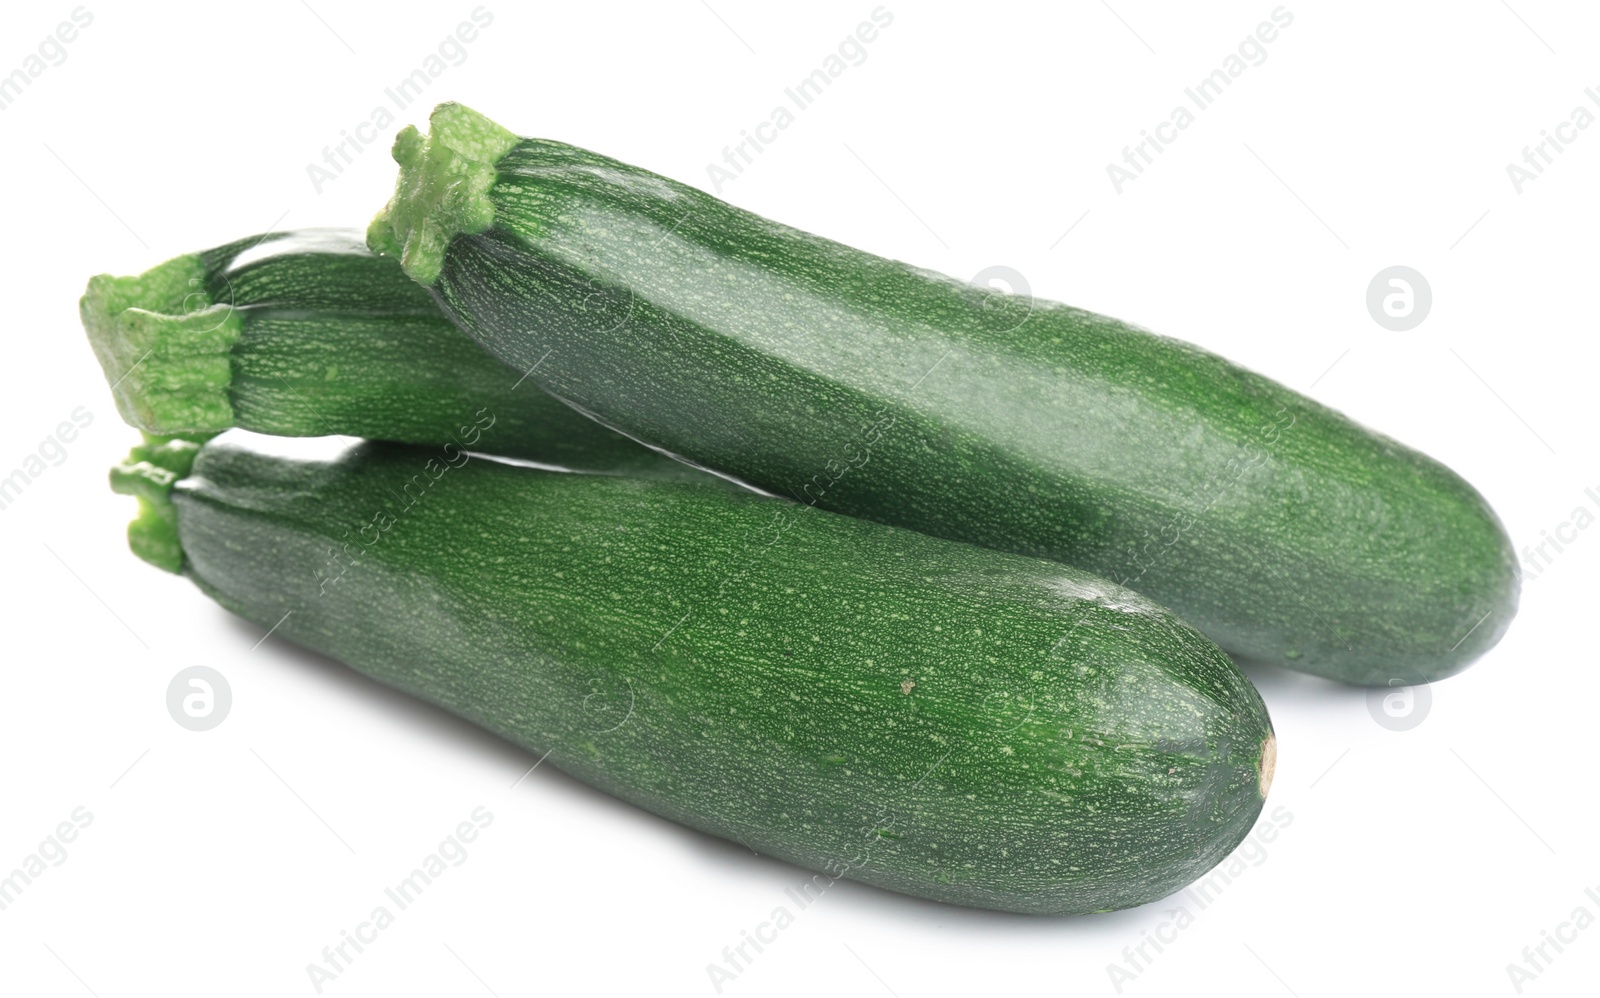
{"points": [[149, 472], [443, 188], [164, 345]]}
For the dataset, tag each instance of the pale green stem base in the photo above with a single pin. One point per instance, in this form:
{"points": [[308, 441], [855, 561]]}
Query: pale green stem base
{"points": [[164, 346], [442, 191], [149, 472]]}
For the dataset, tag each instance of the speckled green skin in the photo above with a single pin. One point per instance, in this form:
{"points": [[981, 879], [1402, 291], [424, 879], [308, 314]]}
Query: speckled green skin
{"points": [[1280, 528], [308, 333], [930, 717]]}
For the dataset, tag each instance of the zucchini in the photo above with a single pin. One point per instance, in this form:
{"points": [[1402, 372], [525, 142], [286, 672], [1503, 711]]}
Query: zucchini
{"points": [[930, 717], [1280, 528], [308, 333]]}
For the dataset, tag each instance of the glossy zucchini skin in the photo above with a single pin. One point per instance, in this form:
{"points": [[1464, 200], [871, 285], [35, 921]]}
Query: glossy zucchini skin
{"points": [[930, 717], [1279, 527], [308, 333]]}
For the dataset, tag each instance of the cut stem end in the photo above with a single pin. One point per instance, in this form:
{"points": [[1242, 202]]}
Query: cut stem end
{"points": [[164, 346], [442, 191], [149, 472]]}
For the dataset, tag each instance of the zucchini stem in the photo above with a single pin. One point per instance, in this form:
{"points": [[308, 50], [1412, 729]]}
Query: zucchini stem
{"points": [[443, 188], [149, 472], [164, 345]]}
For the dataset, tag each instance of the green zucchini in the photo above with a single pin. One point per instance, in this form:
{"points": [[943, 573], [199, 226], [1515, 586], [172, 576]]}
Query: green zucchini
{"points": [[930, 717], [307, 333], [1282, 529]]}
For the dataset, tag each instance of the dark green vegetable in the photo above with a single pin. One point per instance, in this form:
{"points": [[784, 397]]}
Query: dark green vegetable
{"points": [[1282, 529], [930, 717], [308, 333]]}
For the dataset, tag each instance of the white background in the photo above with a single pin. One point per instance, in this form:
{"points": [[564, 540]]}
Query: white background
{"points": [[1374, 134]]}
